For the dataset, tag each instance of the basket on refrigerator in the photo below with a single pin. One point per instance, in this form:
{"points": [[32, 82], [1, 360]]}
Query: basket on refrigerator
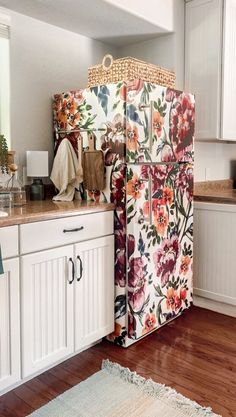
{"points": [[124, 69]]}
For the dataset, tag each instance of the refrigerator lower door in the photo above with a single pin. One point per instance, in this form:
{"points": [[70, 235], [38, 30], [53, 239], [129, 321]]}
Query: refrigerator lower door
{"points": [[159, 244]]}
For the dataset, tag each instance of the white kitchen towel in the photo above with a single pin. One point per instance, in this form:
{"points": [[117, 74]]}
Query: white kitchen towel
{"points": [[65, 173]]}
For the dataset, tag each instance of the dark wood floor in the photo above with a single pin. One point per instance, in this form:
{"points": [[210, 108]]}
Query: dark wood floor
{"points": [[195, 354]]}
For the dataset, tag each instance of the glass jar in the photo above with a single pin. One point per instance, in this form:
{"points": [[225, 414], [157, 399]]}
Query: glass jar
{"points": [[5, 199], [17, 190]]}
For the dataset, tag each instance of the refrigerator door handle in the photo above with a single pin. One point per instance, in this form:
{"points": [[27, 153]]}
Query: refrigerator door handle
{"points": [[142, 107], [150, 198], [149, 181]]}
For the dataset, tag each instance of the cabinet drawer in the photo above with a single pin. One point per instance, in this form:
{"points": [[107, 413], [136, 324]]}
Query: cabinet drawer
{"points": [[51, 233], [9, 241]]}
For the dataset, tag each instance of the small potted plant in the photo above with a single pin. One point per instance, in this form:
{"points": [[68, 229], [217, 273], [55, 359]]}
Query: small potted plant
{"points": [[3, 155]]}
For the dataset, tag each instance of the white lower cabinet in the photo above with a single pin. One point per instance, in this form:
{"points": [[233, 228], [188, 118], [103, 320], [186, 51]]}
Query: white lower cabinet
{"points": [[62, 300], [94, 290], [47, 308], [9, 324], [214, 252], [67, 301]]}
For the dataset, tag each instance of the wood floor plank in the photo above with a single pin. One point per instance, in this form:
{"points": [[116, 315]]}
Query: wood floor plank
{"points": [[195, 354], [26, 394], [14, 406]]}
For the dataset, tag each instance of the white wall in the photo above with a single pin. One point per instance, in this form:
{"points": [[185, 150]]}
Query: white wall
{"points": [[165, 50], [214, 161], [44, 60]]}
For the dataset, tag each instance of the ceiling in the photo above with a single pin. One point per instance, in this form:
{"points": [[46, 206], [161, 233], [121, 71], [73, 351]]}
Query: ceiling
{"points": [[97, 19]]}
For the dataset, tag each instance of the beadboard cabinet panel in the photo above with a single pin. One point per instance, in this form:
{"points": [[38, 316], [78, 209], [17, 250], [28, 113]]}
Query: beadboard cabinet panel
{"points": [[9, 324], [229, 72], [47, 308], [203, 44], [94, 290], [214, 252]]}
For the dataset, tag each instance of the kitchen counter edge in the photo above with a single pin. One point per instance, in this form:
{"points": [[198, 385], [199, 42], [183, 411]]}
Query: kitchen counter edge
{"points": [[35, 211]]}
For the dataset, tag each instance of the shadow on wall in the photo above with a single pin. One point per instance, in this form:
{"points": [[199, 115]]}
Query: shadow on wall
{"points": [[233, 171]]}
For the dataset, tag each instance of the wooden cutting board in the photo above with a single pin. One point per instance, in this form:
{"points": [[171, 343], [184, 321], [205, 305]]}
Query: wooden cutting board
{"points": [[93, 166]]}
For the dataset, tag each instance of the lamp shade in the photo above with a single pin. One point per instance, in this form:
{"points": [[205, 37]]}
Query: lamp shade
{"points": [[37, 163]]}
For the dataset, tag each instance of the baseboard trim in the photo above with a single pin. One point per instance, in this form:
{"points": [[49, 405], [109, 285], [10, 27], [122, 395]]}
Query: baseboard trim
{"points": [[210, 295], [223, 308]]}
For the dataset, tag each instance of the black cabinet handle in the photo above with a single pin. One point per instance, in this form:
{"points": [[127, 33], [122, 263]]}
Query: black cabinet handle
{"points": [[80, 268], [77, 229], [72, 271]]}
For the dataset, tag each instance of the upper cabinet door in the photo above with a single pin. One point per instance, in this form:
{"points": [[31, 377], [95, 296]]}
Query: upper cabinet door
{"points": [[160, 124], [210, 66], [203, 45], [229, 71]]}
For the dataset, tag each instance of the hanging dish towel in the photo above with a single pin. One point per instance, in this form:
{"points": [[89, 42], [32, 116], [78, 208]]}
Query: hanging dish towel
{"points": [[1, 264], [66, 174]]}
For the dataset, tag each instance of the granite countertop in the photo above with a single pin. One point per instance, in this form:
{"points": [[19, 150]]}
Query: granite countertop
{"points": [[35, 211], [221, 191]]}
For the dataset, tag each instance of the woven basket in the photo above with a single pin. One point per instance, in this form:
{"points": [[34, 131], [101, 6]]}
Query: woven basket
{"points": [[128, 68]]}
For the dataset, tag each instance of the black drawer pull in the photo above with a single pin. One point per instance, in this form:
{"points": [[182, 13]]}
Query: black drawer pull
{"points": [[77, 229], [72, 271], [80, 268]]}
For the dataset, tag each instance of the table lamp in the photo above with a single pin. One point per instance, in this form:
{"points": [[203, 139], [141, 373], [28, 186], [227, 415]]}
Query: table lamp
{"points": [[37, 167]]}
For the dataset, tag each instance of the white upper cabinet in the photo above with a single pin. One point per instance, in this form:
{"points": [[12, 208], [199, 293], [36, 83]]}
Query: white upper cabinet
{"points": [[210, 66], [229, 72], [116, 22]]}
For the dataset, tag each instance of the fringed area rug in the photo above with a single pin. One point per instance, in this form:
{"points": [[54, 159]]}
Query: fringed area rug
{"points": [[117, 392]]}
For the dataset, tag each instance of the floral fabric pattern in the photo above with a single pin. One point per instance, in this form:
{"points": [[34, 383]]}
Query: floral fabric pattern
{"points": [[163, 122], [160, 263], [142, 126]]}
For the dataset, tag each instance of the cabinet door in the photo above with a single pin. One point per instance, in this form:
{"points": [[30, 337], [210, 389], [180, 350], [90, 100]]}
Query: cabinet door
{"points": [[9, 324], [155, 131], [203, 49], [94, 290], [229, 71], [47, 308], [214, 252]]}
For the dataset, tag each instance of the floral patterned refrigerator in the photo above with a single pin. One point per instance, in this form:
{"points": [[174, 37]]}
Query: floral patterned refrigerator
{"points": [[146, 132]]}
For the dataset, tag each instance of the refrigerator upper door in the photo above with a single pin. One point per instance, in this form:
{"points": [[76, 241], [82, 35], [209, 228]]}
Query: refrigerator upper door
{"points": [[159, 244], [100, 108], [160, 124]]}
